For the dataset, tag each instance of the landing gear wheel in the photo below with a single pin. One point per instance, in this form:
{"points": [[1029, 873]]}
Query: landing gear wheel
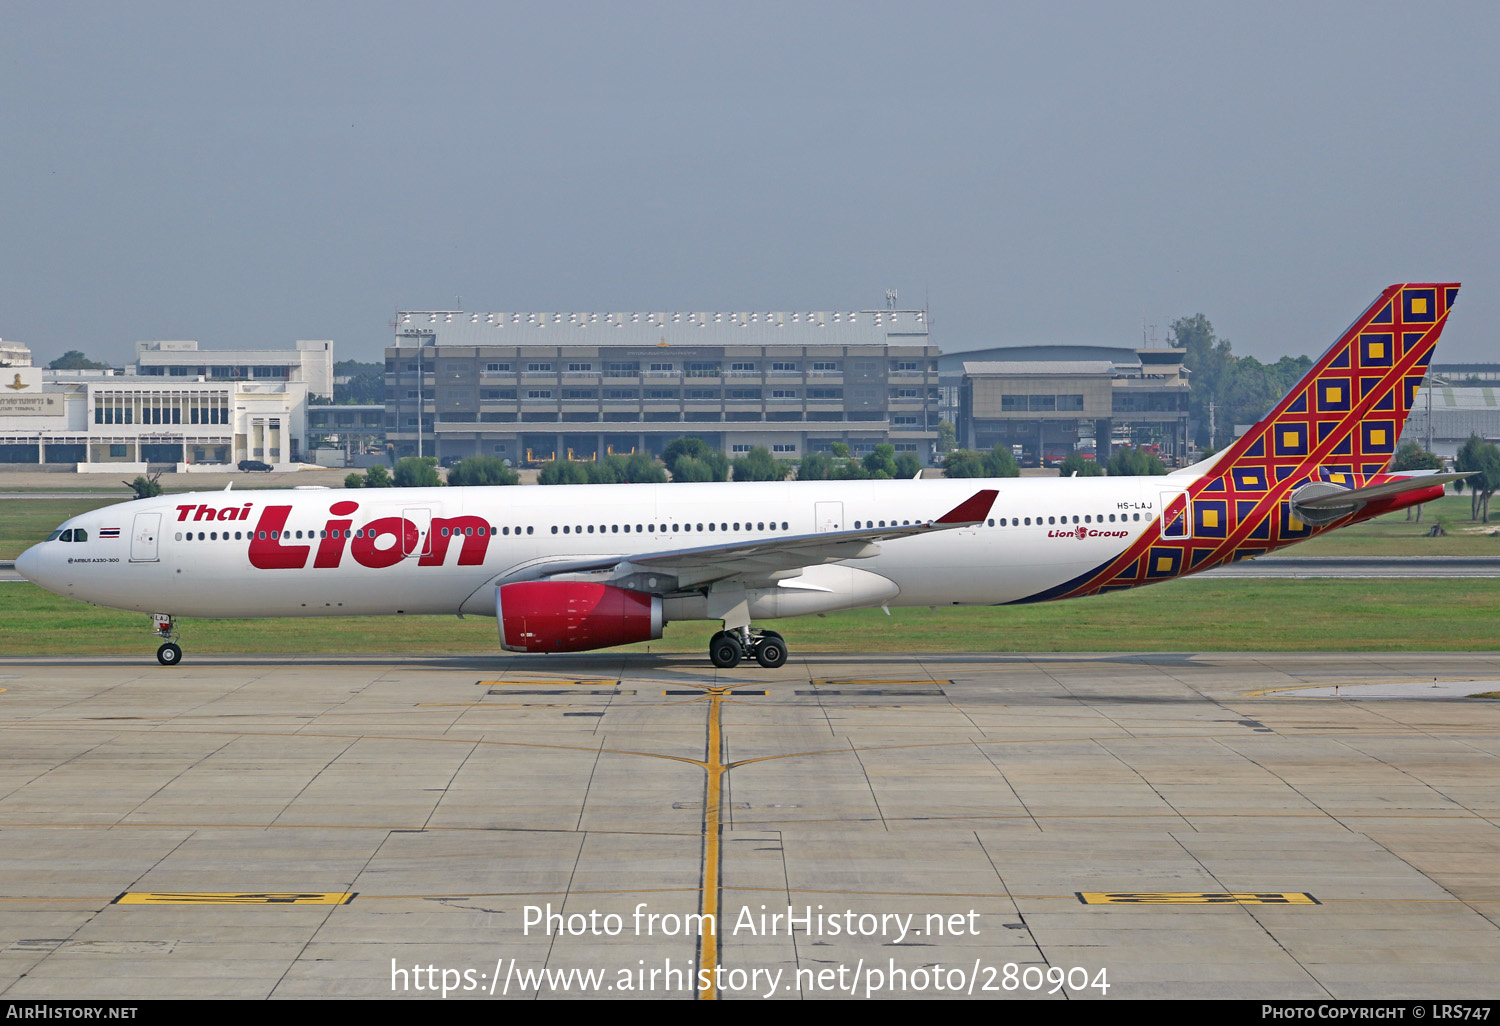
{"points": [[169, 654], [771, 651], [724, 651]]}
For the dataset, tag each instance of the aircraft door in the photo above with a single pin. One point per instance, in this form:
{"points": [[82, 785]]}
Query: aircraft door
{"points": [[828, 516], [422, 544], [143, 537], [1175, 522]]}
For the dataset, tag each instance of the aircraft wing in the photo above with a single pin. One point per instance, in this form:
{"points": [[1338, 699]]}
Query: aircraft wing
{"points": [[768, 558]]}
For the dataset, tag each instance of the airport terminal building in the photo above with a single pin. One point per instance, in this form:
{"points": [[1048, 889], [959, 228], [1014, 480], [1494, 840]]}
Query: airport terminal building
{"points": [[1046, 399], [176, 407], [529, 387]]}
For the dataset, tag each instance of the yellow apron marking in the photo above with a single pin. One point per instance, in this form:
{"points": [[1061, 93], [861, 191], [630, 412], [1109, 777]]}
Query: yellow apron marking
{"points": [[1196, 898], [235, 898], [713, 765]]}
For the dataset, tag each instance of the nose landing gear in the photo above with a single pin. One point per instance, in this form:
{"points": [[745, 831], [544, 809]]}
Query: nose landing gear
{"points": [[165, 628], [727, 648]]}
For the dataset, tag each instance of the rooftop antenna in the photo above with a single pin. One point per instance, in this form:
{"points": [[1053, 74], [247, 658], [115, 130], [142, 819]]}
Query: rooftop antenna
{"points": [[890, 299]]}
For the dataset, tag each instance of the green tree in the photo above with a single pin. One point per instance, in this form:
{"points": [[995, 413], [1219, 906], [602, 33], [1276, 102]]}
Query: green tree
{"points": [[1481, 460], [907, 466], [563, 472], [1131, 462], [1411, 456], [1074, 465], [640, 468], [689, 469], [145, 487], [366, 382], [354, 480], [815, 466], [999, 462], [708, 464], [840, 449], [1207, 359], [882, 462], [378, 477], [482, 470], [605, 470], [759, 465], [964, 463], [947, 436], [74, 360], [417, 472]]}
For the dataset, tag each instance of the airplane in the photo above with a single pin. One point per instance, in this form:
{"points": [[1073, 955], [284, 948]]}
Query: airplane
{"points": [[581, 567]]}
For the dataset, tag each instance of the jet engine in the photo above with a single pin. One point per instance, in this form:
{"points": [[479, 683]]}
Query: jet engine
{"points": [[574, 616]]}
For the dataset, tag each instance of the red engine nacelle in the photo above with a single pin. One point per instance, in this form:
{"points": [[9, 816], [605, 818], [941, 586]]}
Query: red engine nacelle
{"points": [[574, 616]]}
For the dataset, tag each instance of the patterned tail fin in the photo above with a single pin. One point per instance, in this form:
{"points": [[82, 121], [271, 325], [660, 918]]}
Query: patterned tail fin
{"points": [[1339, 425], [1346, 414]]}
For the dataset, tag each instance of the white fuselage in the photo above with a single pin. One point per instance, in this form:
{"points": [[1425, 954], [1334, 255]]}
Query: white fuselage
{"points": [[307, 552]]}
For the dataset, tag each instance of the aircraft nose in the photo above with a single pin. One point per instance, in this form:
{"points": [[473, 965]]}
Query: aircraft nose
{"points": [[28, 563]]}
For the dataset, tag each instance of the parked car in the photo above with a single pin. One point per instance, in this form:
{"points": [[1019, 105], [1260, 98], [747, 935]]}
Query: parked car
{"points": [[255, 465]]}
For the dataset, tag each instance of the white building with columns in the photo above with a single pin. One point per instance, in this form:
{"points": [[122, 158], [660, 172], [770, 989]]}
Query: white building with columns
{"points": [[180, 408]]}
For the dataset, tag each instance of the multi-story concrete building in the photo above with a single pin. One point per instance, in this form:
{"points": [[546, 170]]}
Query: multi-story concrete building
{"points": [[1044, 399], [310, 364], [531, 387], [179, 408]]}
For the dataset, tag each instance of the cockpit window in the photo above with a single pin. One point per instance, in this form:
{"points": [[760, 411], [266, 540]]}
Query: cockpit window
{"points": [[55, 535], [79, 534], [66, 536]]}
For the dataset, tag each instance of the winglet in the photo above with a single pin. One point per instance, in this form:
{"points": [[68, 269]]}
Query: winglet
{"points": [[972, 510]]}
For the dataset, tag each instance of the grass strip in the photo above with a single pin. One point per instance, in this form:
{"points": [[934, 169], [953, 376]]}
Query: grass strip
{"points": [[1255, 614]]}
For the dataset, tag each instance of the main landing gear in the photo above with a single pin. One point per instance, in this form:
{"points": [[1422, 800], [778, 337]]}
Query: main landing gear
{"points": [[170, 653], [727, 648]]}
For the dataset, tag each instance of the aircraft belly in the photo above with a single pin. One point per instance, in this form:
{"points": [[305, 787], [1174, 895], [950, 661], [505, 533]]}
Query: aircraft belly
{"points": [[983, 568], [185, 589]]}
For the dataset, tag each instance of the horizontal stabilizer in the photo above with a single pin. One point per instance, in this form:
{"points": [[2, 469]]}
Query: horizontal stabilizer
{"points": [[1339, 497]]}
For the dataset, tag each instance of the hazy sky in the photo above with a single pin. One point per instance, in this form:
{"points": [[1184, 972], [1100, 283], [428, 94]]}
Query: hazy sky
{"points": [[247, 175]]}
